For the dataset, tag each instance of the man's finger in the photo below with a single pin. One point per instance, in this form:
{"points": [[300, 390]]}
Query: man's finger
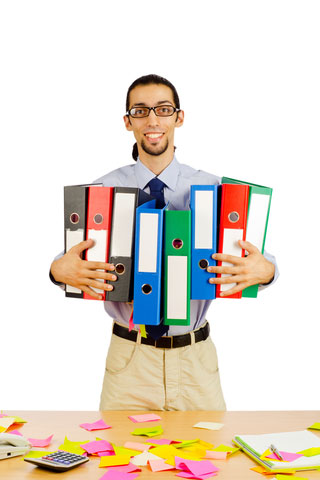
{"points": [[248, 246], [222, 257], [99, 265], [80, 247], [91, 292], [222, 269]]}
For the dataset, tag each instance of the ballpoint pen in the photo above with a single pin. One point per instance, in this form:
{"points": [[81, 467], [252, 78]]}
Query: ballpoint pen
{"points": [[276, 452]]}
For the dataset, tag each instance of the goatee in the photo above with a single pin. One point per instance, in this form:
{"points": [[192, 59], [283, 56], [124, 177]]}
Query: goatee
{"points": [[150, 151]]}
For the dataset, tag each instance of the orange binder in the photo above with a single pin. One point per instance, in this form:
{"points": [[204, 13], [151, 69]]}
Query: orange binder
{"points": [[99, 213], [233, 221]]}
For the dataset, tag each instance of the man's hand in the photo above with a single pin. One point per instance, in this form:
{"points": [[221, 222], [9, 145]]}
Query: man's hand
{"points": [[244, 271], [74, 271]]}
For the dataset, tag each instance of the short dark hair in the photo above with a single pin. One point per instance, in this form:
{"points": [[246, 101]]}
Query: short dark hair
{"points": [[153, 79], [150, 79]]}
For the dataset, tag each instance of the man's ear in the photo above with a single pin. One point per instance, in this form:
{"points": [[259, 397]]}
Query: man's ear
{"points": [[127, 123], [180, 119]]}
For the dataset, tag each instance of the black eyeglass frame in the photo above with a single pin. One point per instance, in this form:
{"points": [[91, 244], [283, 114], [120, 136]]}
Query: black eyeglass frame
{"points": [[154, 110]]}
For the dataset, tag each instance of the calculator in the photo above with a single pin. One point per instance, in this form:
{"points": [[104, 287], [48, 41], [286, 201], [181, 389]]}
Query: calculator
{"points": [[59, 461]]}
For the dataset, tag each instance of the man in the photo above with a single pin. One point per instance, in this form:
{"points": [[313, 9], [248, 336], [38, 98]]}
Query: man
{"points": [[178, 373]]}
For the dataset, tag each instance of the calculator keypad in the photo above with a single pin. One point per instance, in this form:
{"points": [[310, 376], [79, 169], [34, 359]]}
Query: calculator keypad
{"points": [[63, 458]]}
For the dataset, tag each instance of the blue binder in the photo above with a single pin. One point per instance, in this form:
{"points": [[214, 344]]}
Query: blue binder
{"points": [[204, 226], [148, 264]]}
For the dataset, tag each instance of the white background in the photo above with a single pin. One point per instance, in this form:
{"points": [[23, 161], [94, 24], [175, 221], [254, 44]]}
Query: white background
{"points": [[247, 73]]}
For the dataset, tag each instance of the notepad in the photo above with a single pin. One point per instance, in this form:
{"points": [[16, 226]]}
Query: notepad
{"points": [[294, 442]]}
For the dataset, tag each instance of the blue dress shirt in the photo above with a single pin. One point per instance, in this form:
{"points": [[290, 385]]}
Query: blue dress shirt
{"points": [[178, 178]]}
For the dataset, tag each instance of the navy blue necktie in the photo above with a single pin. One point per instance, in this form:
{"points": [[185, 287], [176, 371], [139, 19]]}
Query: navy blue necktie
{"points": [[156, 190]]}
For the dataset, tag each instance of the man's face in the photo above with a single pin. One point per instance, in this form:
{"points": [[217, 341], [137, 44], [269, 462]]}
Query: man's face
{"points": [[154, 135]]}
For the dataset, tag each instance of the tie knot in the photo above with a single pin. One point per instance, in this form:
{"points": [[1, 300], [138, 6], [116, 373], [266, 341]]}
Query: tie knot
{"points": [[156, 185]]}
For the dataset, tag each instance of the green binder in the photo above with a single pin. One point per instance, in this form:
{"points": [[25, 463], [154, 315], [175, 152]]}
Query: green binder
{"points": [[177, 258], [257, 220]]}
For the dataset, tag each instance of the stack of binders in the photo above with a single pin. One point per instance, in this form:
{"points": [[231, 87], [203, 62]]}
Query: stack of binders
{"points": [[161, 256]]}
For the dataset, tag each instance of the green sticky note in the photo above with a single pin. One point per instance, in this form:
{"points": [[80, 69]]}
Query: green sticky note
{"points": [[148, 431], [280, 476], [72, 447], [315, 426]]}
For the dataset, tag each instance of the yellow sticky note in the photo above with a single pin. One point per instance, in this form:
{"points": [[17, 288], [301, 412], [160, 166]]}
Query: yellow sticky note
{"points": [[143, 331], [265, 454], [148, 431], [114, 460], [195, 449], [315, 426], [207, 445], [72, 447], [164, 451], [37, 453], [181, 454], [225, 448], [280, 476], [126, 451], [310, 452]]}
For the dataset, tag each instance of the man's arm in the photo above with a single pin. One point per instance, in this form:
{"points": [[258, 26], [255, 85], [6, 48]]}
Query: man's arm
{"points": [[245, 271], [72, 270]]}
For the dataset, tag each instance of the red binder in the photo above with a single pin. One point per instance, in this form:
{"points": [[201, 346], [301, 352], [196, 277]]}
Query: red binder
{"points": [[233, 221], [99, 213]]}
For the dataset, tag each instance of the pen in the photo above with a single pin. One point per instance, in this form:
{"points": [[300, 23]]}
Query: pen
{"points": [[276, 452]]}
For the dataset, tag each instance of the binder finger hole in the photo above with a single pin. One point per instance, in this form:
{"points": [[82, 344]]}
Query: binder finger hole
{"points": [[98, 218], [146, 289], [203, 264], [233, 217], [177, 243], [74, 218], [120, 268]]}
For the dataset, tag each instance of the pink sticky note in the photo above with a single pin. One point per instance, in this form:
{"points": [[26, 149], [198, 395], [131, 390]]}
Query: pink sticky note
{"points": [[216, 455], [160, 465], [16, 432], [97, 446], [287, 456], [105, 454], [147, 417], [99, 425], [114, 475], [198, 477], [196, 467], [137, 446], [125, 468], [162, 441], [36, 442]]}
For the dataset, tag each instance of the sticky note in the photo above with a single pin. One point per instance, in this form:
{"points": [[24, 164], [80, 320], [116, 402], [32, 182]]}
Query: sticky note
{"points": [[209, 425], [36, 442], [280, 476], [196, 477], [16, 432], [197, 468], [99, 425], [143, 331], [126, 451], [72, 447], [186, 443], [225, 448], [287, 456], [149, 431], [143, 458], [97, 446], [37, 453], [5, 423], [147, 417], [114, 460], [164, 451], [115, 475], [315, 426], [125, 468], [160, 465], [310, 452]]}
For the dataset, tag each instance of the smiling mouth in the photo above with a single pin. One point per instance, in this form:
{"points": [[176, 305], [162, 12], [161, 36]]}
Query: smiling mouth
{"points": [[153, 136]]}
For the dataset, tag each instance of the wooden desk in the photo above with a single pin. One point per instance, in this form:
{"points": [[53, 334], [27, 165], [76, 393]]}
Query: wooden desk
{"points": [[174, 424]]}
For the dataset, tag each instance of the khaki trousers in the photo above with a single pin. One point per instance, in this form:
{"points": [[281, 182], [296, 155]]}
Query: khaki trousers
{"points": [[142, 377]]}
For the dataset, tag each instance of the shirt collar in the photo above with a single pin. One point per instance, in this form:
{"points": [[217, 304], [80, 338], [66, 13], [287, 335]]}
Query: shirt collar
{"points": [[169, 175]]}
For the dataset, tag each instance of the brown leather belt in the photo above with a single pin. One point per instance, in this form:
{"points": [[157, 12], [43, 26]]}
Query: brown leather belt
{"points": [[164, 342]]}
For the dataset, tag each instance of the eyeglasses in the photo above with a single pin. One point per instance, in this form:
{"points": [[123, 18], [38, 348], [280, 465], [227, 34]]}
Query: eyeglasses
{"points": [[161, 111]]}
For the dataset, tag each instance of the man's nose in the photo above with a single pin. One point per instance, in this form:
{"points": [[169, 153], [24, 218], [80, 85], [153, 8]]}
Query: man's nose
{"points": [[152, 118]]}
